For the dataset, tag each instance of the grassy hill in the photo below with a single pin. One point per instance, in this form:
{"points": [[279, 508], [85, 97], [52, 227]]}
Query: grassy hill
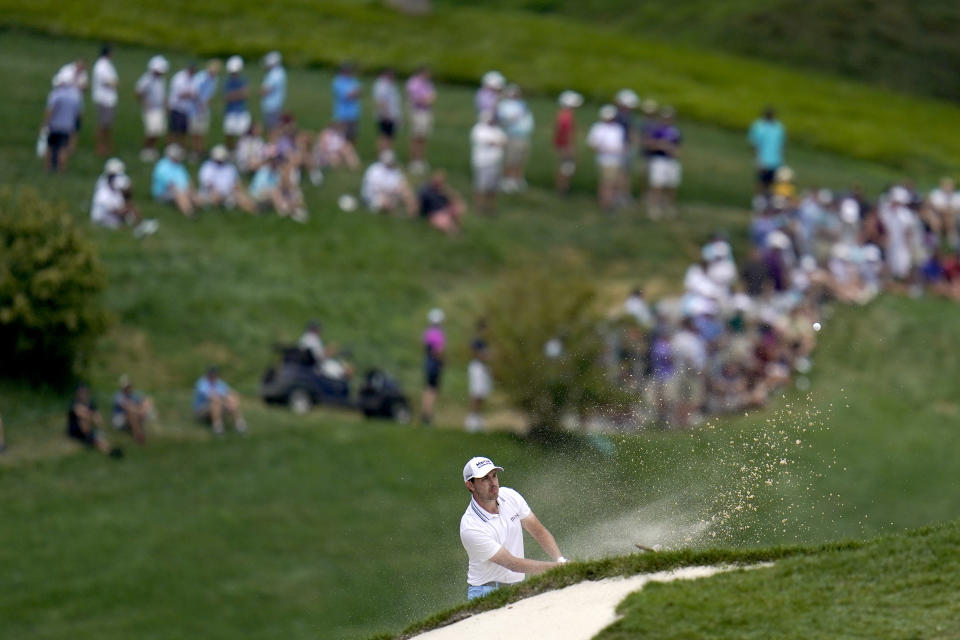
{"points": [[315, 526], [893, 587], [903, 46]]}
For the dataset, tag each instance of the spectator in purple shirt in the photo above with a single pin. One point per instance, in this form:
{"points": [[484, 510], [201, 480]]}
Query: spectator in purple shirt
{"points": [[662, 375], [434, 344], [664, 168]]}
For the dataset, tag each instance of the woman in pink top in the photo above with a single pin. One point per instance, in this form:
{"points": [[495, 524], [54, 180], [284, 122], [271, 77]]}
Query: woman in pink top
{"points": [[434, 343]]}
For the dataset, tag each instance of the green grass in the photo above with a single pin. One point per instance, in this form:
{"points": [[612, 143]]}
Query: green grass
{"points": [[544, 53], [315, 526]]}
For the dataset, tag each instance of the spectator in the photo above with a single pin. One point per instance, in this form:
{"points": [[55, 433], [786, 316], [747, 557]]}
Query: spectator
{"points": [[606, 140], [385, 189], [767, 136], [515, 117], [665, 170], [219, 182], [213, 398], [898, 223], [112, 167], [564, 140], [312, 342], [441, 205], [434, 344], [251, 150], [944, 204], [273, 91], [480, 381], [488, 96], [205, 84], [274, 187], [84, 423], [151, 91], [626, 102], [637, 308], [76, 71], [690, 361], [332, 150], [421, 96], [60, 121], [347, 92], [181, 103], [236, 115], [171, 182], [131, 410], [487, 141], [649, 108], [386, 102], [110, 208], [104, 94]]}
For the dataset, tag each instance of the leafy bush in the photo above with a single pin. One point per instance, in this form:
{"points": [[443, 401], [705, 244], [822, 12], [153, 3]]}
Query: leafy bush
{"points": [[50, 281], [528, 310]]}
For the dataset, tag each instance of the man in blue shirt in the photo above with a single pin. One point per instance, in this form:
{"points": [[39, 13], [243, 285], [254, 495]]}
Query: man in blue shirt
{"points": [[212, 397], [204, 88], [273, 91], [767, 137], [171, 182], [236, 116], [60, 120], [347, 91]]}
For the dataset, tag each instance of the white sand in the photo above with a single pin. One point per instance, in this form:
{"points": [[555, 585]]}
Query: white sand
{"points": [[577, 612]]}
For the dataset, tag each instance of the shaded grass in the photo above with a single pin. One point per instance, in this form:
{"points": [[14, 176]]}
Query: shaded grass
{"points": [[545, 53]]}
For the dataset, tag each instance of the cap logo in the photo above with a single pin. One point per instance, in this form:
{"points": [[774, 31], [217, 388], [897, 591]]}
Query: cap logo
{"points": [[482, 463]]}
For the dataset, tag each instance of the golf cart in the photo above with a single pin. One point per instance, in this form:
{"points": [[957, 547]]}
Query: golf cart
{"points": [[299, 382]]}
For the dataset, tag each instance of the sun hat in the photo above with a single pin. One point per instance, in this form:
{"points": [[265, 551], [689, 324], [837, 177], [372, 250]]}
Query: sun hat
{"points": [[435, 316], [234, 64], [478, 467], [570, 99]]}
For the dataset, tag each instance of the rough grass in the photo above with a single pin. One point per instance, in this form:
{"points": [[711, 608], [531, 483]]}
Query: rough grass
{"points": [[545, 53]]}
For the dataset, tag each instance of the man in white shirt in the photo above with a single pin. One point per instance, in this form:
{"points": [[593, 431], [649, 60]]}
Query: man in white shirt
{"points": [[220, 184], [151, 91], [181, 103], [109, 207], [487, 142], [491, 533], [104, 94], [606, 140], [385, 189]]}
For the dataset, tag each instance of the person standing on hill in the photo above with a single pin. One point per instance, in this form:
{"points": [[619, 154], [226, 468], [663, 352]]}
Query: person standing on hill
{"points": [[491, 531], [606, 139], [386, 103], [205, 84], [564, 140], [421, 96], [487, 143], [59, 120], [181, 103], [767, 137], [103, 90], [435, 345], [347, 92], [151, 91], [665, 170], [236, 115], [273, 91], [479, 380]]}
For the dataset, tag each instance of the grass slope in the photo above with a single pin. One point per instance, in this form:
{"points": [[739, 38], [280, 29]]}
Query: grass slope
{"points": [[545, 53], [897, 44]]}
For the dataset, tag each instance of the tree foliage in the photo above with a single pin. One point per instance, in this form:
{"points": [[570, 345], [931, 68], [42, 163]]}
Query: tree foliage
{"points": [[50, 280], [527, 311]]}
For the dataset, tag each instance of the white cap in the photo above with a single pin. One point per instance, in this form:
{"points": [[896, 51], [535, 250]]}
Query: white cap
{"points": [[121, 182], [271, 59], [114, 166], [778, 240], [158, 64], [850, 211], [219, 153], [494, 80], [478, 468], [900, 195], [628, 98], [608, 112], [783, 174], [570, 99], [387, 157], [435, 316], [234, 64], [174, 151]]}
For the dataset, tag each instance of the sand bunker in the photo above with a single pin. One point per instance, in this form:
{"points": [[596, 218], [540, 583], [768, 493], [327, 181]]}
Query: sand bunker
{"points": [[577, 612]]}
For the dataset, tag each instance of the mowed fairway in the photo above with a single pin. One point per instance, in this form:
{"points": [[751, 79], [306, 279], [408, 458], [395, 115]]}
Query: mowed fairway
{"points": [[325, 526]]}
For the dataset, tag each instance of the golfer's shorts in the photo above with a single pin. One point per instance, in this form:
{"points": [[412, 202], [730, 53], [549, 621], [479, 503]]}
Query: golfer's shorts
{"points": [[387, 128], [765, 176], [480, 384], [486, 179], [57, 140], [665, 173], [106, 116], [154, 123], [516, 151], [178, 121], [199, 124], [608, 172], [236, 124], [433, 371], [421, 123]]}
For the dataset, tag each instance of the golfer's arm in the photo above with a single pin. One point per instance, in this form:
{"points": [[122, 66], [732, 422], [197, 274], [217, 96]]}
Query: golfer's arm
{"points": [[521, 565], [540, 533]]}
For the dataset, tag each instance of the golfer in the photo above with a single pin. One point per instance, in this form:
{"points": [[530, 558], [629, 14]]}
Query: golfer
{"points": [[490, 532]]}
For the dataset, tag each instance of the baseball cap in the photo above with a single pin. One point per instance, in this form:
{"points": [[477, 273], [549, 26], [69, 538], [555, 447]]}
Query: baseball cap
{"points": [[571, 99], [272, 58], [478, 467], [234, 64], [494, 80], [158, 64], [219, 153], [628, 98], [608, 112], [435, 316], [114, 166]]}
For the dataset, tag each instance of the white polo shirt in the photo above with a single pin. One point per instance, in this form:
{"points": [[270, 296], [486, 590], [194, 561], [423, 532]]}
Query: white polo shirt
{"points": [[483, 534]]}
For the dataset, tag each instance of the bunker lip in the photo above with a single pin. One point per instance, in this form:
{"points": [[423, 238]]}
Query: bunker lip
{"points": [[576, 612]]}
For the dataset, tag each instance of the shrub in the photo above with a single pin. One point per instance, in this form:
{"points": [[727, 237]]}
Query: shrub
{"points": [[527, 311], [50, 281]]}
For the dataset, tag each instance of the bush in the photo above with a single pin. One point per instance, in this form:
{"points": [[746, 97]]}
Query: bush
{"points": [[50, 281], [531, 309]]}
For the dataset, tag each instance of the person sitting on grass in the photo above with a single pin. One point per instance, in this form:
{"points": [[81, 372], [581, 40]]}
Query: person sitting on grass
{"points": [[220, 184], [131, 410], [84, 422], [385, 189], [213, 398], [171, 182], [251, 150], [441, 205], [274, 188], [331, 150], [110, 208]]}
